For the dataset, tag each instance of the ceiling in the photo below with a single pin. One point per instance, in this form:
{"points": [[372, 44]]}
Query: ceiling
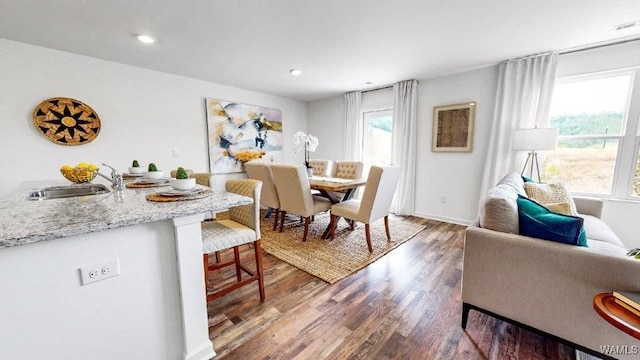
{"points": [[339, 45]]}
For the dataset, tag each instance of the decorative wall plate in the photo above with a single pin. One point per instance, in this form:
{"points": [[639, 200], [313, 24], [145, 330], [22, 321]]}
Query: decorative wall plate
{"points": [[66, 121]]}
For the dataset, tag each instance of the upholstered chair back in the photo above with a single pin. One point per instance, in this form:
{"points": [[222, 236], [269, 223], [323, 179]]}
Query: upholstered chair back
{"points": [[321, 167], [248, 215], [348, 169], [204, 179], [376, 200], [293, 188], [262, 172]]}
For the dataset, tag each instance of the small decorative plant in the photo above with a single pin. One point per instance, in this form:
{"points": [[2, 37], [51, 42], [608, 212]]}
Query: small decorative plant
{"points": [[308, 143], [181, 173], [152, 167], [135, 163]]}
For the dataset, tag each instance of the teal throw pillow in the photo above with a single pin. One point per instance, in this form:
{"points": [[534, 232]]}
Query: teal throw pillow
{"points": [[526, 179], [539, 222]]}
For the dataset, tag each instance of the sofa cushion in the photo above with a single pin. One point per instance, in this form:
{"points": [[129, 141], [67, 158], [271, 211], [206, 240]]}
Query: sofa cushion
{"points": [[599, 231], [513, 181], [499, 211], [605, 248], [550, 193], [539, 222]]}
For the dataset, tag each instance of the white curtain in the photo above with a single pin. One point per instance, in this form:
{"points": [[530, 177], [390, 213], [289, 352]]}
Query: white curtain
{"points": [[405, 105], [353, 126], [523, 100]]}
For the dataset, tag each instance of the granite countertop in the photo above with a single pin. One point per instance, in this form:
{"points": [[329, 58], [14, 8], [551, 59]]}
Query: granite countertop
{"points": [[25, 221]]}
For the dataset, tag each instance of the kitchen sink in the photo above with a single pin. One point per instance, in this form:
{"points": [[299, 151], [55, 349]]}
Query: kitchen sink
{"points": [[58, 192]]}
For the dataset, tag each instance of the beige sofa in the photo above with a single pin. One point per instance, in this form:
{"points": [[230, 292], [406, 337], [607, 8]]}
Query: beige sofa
{"points": [[543, 285]]}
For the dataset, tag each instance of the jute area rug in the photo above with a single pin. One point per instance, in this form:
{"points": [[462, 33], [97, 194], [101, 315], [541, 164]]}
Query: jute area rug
{"points": [[332, 260]]}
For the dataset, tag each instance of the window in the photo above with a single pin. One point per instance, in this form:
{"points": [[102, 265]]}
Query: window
{"points": [[378, 126], [598, 124]]}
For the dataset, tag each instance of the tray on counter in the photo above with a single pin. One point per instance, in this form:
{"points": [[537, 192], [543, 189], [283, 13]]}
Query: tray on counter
{"points": [[159, 197]]}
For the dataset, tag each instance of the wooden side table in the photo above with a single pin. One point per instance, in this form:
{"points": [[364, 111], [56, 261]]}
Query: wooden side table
{"points": [[616, 315]]}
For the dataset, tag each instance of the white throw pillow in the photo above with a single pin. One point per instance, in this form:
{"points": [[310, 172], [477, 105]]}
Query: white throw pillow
{"points": [[550, 193]]}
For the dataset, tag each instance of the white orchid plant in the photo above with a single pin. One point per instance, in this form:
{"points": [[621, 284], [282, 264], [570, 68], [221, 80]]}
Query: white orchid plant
{"points": [[308, 143]]}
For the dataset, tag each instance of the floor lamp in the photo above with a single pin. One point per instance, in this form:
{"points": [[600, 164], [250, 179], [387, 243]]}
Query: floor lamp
{"points": [[533, 140]]}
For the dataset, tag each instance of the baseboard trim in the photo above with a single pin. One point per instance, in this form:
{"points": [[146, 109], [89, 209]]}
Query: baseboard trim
{"points": [[202, 352], [467, 307], [443, 219]]}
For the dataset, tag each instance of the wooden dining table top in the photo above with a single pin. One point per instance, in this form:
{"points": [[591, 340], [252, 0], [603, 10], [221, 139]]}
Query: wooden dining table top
{"points": [[334, 184]]}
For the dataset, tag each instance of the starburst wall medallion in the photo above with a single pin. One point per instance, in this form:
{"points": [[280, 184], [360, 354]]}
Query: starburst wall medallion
{"points": [[66, 121]]}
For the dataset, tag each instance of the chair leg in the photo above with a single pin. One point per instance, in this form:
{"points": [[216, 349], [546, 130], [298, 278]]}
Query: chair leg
{"points": [[333, 226], [205, 261], [368, 234], [218, 258], [282, 214], [306, 228], [386, 227], [275, 219], [236, 255], [352, 224], [258, 253]]}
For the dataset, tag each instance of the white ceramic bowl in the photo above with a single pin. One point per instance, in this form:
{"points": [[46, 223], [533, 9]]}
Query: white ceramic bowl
{"points": [[182, 184], [154, 174], [136, 170]]}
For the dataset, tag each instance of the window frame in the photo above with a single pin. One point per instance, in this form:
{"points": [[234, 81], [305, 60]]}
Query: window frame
{"points": [[628, 140]]}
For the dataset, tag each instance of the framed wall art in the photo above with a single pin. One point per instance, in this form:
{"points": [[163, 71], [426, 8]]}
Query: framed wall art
{"points": [[453, 127], [66, 121], [238, 133]]}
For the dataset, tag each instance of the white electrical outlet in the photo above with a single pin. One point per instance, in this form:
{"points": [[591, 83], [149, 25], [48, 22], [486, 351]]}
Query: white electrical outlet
{"points": [[92, 273]]}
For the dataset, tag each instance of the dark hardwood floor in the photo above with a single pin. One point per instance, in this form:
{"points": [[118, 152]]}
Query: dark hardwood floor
{"points": [[406, 305]]}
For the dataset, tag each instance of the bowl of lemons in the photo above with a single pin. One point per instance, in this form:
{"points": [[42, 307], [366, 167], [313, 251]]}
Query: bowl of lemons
{"points": [[81, 173]]}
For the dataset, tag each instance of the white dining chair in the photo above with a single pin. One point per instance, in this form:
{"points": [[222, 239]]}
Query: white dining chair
{"points": [[295, 196], [269, 194], [375, 203], [321, 167], [348, 169], [243, 227]]}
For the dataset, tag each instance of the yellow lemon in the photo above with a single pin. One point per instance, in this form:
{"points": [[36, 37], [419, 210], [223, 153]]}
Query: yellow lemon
{"points": [[93, 167], [66, 167], [82, 165]]}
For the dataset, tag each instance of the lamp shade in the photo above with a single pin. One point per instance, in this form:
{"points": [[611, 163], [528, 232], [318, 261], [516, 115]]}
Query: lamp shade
{"points": [[535, 139]]}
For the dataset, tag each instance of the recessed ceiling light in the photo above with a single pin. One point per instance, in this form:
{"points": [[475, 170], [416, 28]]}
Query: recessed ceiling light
{"points": [[295, 72], [146, 39], [627, 25]]}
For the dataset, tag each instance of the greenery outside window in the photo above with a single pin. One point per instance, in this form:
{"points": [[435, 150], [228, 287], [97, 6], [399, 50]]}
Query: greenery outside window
{"points": [[597, 116], [378, 127]]}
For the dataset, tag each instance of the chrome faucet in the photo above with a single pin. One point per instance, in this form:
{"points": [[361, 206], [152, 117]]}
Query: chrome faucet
{"points": [[115, 180]]}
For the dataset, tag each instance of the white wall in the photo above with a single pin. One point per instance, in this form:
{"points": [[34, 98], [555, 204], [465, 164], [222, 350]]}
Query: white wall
{"points": [[145, 114], [326, 122], [453, 177]]}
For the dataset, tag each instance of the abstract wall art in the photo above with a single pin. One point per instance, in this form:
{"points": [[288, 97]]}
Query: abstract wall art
{"points": [[239, 132]]}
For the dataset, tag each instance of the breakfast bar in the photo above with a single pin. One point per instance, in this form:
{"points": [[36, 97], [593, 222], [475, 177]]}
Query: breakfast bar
{"points": [[106, 276]]}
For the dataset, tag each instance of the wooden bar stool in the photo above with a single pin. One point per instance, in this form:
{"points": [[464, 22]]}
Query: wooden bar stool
{"points": [[243, 227]]}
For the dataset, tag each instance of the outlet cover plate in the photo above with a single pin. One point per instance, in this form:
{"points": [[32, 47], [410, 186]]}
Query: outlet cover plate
{"points": [[93, 273]]}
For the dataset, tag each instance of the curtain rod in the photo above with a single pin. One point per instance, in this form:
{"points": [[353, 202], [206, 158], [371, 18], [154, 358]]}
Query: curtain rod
{"points": [[377, 88], [596, 46]]}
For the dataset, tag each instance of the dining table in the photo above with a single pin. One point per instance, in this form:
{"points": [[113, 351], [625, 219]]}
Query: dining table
{"points": [[336, 190]]}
